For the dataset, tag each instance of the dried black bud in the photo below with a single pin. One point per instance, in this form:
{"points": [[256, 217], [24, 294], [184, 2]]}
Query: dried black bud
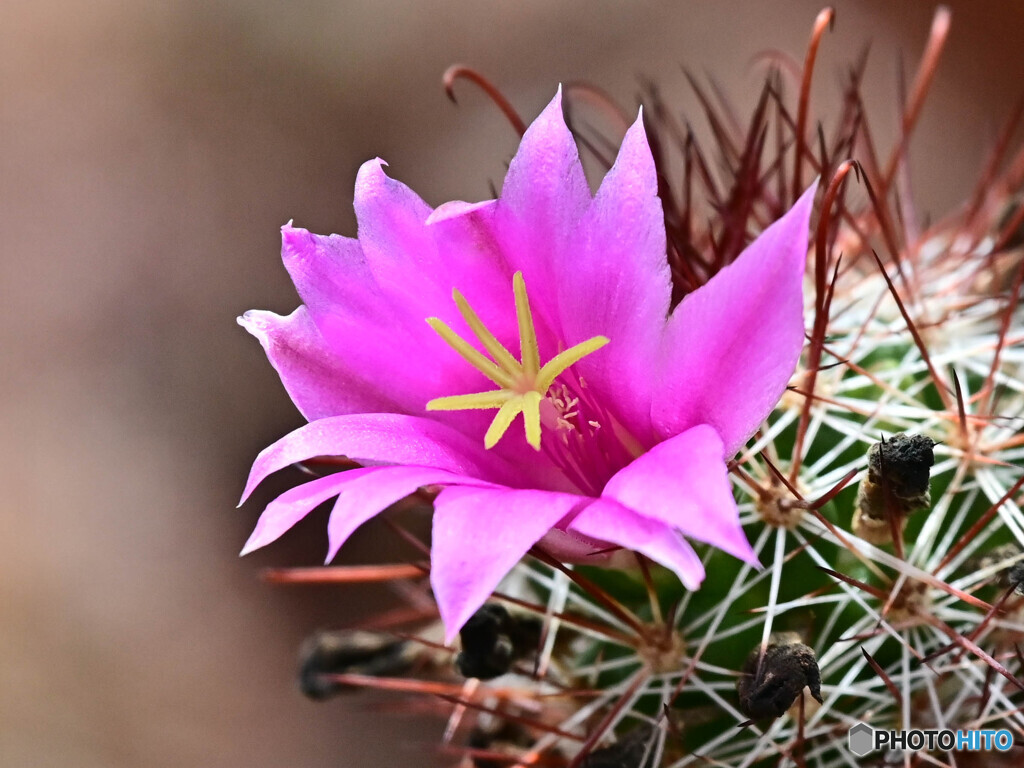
{"points": [[627, 752], [353, 651], [493, 639], [776, 674], [903, 462], [896, 485]]}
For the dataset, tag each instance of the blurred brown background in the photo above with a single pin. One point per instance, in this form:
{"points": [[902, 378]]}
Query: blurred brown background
{"points": [[149, 151]]}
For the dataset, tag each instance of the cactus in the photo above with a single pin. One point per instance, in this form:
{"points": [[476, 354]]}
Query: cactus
{"points": [[882, 496]]}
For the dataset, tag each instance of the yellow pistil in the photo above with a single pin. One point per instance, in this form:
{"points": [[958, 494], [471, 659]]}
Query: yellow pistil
{"points": [[523, 383]]}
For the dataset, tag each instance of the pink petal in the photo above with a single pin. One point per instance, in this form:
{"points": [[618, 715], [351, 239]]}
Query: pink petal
{"points": [[318, 381], [457, 209], [407, 253], [473, 261], [392, 232], [569, 546], [329, 272], [684, 483], [545, 180], [731, 346], [293, 505], [416, 259], [374, 490], [382, 437], [606, 520], [544, 195], [374, 337], [615, 282], [478, 536]]}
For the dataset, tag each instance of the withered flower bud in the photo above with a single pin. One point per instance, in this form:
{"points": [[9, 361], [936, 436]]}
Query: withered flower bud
{"points": [[896, 485], [627, 752], [349, 651], [493, 639], [775, 675]]}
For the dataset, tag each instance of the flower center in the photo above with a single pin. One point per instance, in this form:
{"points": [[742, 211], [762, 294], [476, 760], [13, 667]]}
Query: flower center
{"points": [[523, 384]]}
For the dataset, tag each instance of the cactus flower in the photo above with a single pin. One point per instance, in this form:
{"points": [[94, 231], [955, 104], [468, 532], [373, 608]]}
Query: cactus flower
{"points": [[521, 355]]}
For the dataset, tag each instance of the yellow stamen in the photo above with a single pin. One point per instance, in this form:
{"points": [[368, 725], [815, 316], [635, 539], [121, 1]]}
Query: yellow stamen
{"points": [[563, 360], [501, 355], [523, 383], [531, 417], [528, 350], [477, 401], [502, 421], [469, 354]]}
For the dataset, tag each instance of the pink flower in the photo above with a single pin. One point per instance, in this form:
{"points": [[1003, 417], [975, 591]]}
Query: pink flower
{"points": [[421, 345]]}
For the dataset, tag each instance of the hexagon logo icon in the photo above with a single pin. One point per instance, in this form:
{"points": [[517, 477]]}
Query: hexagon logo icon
{"points": [[861, 739]]}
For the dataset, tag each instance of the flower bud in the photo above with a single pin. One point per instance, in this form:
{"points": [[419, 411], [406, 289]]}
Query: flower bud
{"points": [[896, 485], [493, 639], [325, 654], [775, 675]]}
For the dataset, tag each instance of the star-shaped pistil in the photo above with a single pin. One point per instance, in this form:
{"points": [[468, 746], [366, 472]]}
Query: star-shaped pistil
{"points": [[523, 383]]}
